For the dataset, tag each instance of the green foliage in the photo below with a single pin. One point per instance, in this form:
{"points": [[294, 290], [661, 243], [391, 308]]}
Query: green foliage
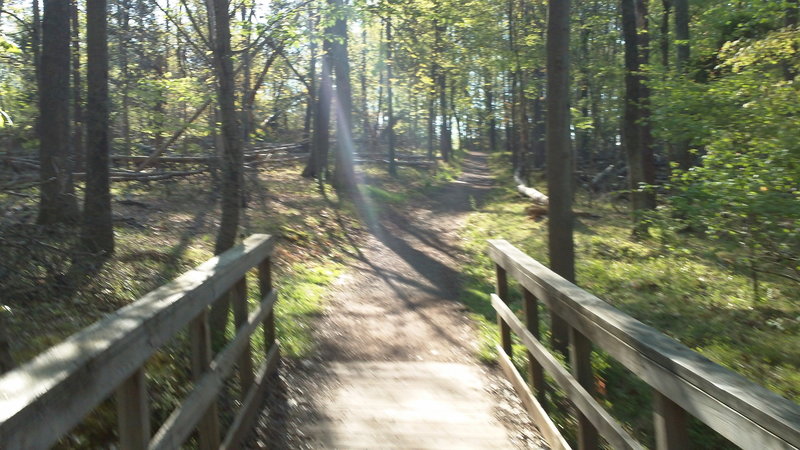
{"points": [[747, 122]]}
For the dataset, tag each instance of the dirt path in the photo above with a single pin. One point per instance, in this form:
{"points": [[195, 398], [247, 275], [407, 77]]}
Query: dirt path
{"points": [[396, 310]]}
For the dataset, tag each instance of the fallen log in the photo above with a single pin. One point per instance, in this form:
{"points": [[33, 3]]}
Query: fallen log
{"points": [[144, 176], [535, 195], [164, 159], [426, 164]]}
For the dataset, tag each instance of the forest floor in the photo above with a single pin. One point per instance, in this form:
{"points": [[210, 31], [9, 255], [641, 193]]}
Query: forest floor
{"points": [[395, 303]]}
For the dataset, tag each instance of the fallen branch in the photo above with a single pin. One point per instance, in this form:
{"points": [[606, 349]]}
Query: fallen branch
{"points": [[536, 196], [177, 134]]}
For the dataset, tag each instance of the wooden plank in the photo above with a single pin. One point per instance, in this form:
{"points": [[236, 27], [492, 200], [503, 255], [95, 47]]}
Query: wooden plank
{"points": [[502, 292], [264, 286], [180, 424], [747, 414], [535, 370], [133, 412], [243, 422], [581, 363], [670, 420], [599, 417], [200, 338], [239, 304], [535, 409], [46, 397]]}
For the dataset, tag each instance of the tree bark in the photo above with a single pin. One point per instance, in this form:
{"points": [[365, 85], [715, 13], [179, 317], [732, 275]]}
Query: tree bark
{"points": [[344, 177], [559, 155], [6, 360], [682, 47], [57, 196], [98, 229], [123, 19], [633, 138], [36, 41], [317, 165], [445, 139], [664, 38], [490, 127], [231, 134], [77, 90], [390, 99]]}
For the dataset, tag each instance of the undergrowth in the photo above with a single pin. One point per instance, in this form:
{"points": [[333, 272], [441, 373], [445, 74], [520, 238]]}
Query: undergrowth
{"points": [[681, 284]]}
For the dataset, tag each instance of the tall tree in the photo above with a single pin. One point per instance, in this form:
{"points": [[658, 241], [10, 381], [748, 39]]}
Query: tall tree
{"points": [[344, 178], [561, 246], [682, 47], [98, 229], [682, 52], [390, 99], [317, 165], [77, 90], [231, 133], [57, 194], [634, 137]]}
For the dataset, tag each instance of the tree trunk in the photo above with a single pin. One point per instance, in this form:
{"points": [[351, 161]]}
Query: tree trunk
{"points": [[431, 123], [390, 99], [644, 122], [36, 41], [57, 195], [317, 165], [633, 138], [344, 177], [664, 38], [231, 135], [312, 80], [6, 360], [682, 46], [490, 127], [123, 19], [98, 229], [559, 155], [77, 91], [365, 131], [445, 139]]}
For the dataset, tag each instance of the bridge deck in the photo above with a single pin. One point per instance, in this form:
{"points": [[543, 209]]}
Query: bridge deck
{"points": [[423, 405]]}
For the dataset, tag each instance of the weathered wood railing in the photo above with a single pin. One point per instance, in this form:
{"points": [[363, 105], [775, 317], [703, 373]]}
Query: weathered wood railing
{"points": [[44, 399], [684, 382]]}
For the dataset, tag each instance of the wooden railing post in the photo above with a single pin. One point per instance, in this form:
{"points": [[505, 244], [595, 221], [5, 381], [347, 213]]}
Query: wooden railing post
{"points": [[581, 363], [670, 423], [240, 312], [265, 286], [133, 412], [200, 337], [535, 370], [502, 292]]}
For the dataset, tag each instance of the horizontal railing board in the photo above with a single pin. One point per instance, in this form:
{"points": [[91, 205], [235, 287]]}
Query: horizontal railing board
{"points": [[745, 413], [536, 411], [606, 425], [180, 424], [60, 386], [248, 412]]}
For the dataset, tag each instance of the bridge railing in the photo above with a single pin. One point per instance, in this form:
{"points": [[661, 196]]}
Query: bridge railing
{"points": [[684, 382], [44, 399]]}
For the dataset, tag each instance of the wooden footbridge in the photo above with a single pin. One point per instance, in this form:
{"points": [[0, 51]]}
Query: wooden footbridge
{"points": [[43, 400]]}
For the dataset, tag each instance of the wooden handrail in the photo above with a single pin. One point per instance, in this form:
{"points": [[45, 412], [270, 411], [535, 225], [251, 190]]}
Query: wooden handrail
{"points": [[45, 398], [684, 381]]}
